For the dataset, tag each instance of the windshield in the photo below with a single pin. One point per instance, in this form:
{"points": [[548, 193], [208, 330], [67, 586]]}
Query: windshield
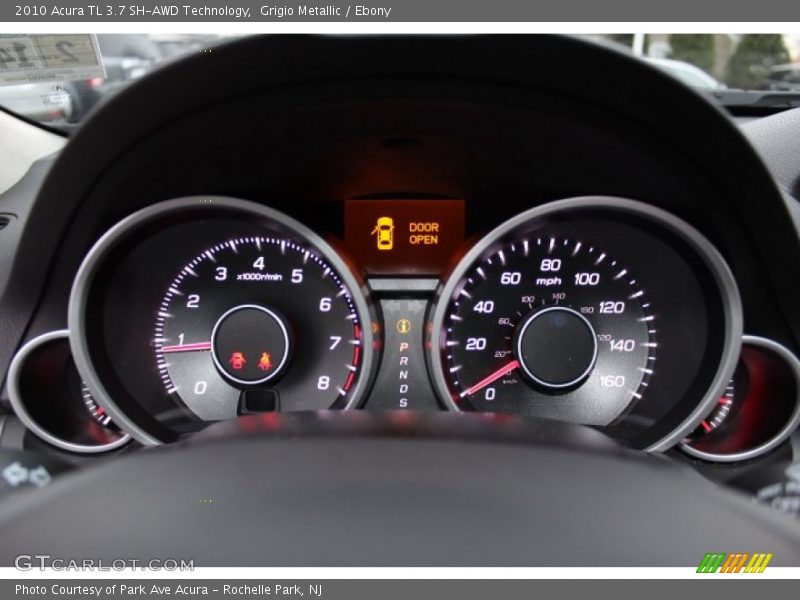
{"points": [[709, 62], [748, 62]]}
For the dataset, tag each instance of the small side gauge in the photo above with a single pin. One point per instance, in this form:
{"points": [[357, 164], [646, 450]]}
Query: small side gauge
{"points": [[95, 409], [727, 406], [759, 409], [721, 410], [52, 401]]}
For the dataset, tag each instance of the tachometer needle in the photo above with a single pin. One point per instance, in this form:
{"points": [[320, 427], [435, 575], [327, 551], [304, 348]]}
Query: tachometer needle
{"points": [[501, 372], [198, 347]]}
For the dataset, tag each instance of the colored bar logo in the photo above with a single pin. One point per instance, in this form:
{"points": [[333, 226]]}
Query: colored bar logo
{"points": [[737, 562]]}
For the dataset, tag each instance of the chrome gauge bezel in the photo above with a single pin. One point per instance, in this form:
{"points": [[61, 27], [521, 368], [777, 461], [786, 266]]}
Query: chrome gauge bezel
{"points": [[18, 403], [793, 363], [711, 258], [125, 232]]}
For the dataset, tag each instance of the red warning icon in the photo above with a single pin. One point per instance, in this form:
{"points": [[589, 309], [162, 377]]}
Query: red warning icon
{"points": [[237, 361]]}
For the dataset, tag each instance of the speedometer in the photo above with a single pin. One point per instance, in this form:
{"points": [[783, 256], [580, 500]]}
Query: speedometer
{"points": [[539, 321], [598, 311]]}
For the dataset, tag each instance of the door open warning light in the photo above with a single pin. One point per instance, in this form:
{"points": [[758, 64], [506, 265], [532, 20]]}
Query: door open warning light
{"points": [[265, 362], [237, 361], [384, 229]]}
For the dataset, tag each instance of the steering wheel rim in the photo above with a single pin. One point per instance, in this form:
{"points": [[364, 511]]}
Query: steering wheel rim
{"points": [[347, 489]]}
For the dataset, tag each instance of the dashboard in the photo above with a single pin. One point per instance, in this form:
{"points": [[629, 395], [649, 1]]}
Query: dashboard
{"points": [[375, 229]]}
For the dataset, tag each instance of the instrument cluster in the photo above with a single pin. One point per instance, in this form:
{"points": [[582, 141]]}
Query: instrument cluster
{"points": [[599, 311]]}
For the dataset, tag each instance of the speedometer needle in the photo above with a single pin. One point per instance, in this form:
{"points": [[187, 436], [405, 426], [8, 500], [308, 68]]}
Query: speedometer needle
{"points": [[198, 347], [501, 372]]}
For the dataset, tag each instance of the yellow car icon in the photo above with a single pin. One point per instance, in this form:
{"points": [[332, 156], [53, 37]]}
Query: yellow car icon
{"points": [[385, 231]]}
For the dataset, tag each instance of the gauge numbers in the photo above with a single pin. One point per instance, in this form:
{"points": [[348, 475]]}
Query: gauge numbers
{"points": [[550, 326], [257, 313]]}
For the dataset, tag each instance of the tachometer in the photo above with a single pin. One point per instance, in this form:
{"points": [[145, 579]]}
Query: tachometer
{"points": [[200, 309], [253, 314]]}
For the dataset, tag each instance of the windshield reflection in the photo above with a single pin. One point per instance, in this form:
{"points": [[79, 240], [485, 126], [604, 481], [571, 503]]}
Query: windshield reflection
{"points": [[709, 62]]}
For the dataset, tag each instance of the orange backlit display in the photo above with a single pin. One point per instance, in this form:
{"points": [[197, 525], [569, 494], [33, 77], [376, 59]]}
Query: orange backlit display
{"points": [[404, 236]]}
